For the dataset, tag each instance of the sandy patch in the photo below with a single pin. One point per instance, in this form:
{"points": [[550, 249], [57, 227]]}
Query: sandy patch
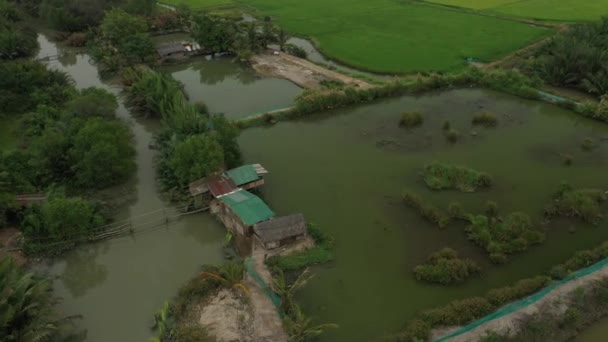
{"points": [[227, 317]]}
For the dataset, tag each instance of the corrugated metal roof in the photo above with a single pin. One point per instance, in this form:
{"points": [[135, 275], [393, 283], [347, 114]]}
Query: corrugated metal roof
{"points": [[280, 228], [243, 174], [219, 185], [249, 207]]}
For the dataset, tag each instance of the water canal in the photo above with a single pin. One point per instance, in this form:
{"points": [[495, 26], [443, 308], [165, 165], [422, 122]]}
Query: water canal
{"points": [[344, 170], [117, 285]]}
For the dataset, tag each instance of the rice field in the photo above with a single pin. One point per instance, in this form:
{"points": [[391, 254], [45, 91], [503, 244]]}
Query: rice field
{"points": [[557, 10]]}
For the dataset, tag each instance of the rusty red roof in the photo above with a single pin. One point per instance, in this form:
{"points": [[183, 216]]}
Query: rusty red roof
{"points": [[219, 185]]}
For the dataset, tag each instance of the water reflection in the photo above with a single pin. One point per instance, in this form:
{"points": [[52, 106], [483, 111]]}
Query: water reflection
{"points": [[82, 271]]}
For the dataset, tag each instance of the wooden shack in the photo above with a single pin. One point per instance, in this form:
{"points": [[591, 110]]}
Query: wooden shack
{"points": [[240, 210], [280, 231]]}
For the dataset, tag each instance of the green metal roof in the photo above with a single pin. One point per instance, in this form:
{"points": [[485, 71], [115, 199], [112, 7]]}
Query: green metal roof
{"points": [[243, 174], [249, 207]]}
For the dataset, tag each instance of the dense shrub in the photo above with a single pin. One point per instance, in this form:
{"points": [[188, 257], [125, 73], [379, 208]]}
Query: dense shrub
{"points": [[410, 119], [580, 260], [576, 58], [522, 288], [59, 224], [445, 267], [426, 210], [295, 50], [415, 330], [501, 237], [486, 119], [196, 157], [444, 176], [458, 312], [583, 204]]}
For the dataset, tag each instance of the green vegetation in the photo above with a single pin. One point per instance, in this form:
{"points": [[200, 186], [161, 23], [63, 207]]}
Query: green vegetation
{"points": [[452, 135], [583, 204], [319, 254], [27, 308], [588, 144], [344, 31], [485, 119], [433, 214], [122, 41], [299, 327], [410, 119], [460, 312], [574, 58], [501, 237], [445, 267], [192, 142], [443, 176], [16, 41], [60, 224], [295, 50], [580, 260]]}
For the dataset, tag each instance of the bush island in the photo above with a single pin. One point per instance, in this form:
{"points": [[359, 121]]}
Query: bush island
{"points": [[452, 135], [444, 176], [580, 260], [429, 212], [501, 237], [445, 267], [410, 119], [583, 204], [485, 119]]}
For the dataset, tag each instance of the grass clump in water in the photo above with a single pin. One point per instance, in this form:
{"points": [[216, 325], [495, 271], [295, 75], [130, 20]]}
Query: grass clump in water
{"points": [[452, 135], [439, 176], [567, 159], [410, 119], [445, 267], [501, 237], [319, 254], [485, 119], [588, 144], [584, 204], [428, 211]]}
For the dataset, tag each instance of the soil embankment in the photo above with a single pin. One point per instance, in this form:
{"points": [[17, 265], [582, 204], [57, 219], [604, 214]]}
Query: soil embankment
{"points": [[300, 71], [509, 324]]}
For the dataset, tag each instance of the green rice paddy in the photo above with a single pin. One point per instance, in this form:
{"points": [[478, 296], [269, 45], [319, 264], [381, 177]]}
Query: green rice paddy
{"points": [[391, 37], [558, 10]]}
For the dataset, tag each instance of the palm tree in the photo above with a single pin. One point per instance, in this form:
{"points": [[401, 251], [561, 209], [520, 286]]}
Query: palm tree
{"points": [[286, 291], [300, 328], [229, 274], [27, 306]]}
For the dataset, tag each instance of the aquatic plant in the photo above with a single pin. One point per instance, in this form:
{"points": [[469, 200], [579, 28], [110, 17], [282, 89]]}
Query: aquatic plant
{"points": [[428, 211], [446, 125], [485, 119], [578, 203], [588, 144], [452, 135], [439, 176], [580, 259], [501, 237], [445, 267], [567, 159], [410, 119], [491, 209]]}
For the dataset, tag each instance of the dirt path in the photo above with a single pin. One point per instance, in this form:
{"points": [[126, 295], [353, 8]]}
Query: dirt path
{"points": [[300, 71], [10, 245], [509, 323]]}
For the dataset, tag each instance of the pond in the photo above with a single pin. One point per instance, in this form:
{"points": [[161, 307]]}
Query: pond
{"points": [[345, 171], [117, 285], [596, 333], [229, 88]]}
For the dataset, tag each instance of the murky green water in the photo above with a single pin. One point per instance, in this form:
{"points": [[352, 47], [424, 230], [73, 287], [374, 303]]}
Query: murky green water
{"points": [[227, 87], [117, 285], [345, 171], [598, 332]]}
